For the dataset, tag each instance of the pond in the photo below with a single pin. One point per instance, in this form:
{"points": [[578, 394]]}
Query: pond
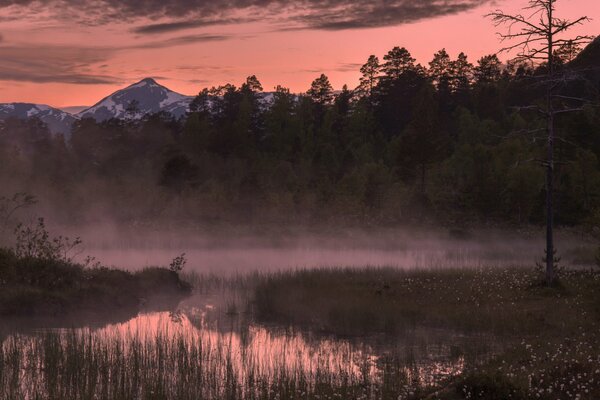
{"points": [[209, 347]]}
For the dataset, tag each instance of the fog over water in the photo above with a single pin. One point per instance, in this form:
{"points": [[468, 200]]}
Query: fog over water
{"points": [[228, 251]]}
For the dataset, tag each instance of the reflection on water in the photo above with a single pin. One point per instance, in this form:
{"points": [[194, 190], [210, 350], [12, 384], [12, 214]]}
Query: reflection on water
{"points": [[202, 351]]}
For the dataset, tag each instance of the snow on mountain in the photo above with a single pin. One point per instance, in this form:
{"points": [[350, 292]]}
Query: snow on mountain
{"points": [[144, 97], [59, 122], [134, 101]]}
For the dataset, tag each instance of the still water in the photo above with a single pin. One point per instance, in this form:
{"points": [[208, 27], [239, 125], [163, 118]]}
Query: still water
{"points": [[207, 348]]}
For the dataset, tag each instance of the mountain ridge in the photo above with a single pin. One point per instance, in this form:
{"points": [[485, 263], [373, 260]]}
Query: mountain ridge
{"points": [[134, 101], [58, 121], [144, 97]]}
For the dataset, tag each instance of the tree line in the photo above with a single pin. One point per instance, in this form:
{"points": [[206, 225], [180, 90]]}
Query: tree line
{"points": [[448, 142]]}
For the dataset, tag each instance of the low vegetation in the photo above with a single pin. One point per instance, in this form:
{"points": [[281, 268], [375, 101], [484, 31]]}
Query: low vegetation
{"points": [[33, 286], [548, 336], [40, 277], [501, 333]]}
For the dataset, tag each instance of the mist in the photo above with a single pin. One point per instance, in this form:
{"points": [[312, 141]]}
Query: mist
{"points": [[231, 250]]}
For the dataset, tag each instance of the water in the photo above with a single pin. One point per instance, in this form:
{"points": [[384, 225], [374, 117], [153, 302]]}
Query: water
{"points": [[207, 348]]}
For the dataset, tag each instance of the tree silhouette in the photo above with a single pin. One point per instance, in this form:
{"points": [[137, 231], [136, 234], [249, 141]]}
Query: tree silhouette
{"points": [[536, 37], [321, 91], [370, 76], [488, 69], [440, 70], [252, 84], [462, 73], [397, 61]]}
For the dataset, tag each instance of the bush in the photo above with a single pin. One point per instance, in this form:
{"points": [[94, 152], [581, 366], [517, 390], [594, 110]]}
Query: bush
{"points": [[35, 242], [161, 281], [39, 276]]}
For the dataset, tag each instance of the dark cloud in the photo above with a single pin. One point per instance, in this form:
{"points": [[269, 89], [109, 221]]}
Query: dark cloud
{"points": [[347, 67], [45, 64], [361, 15], [181, 40], [167, 27], [315, 14], [1, 38]]}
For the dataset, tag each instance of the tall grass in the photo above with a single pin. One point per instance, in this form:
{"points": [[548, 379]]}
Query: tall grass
{"points": [[166, 361]]}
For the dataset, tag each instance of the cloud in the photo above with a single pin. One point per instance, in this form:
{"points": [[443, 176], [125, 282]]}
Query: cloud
{"points": [[361, 15], [180, 40], [167, 27], [1, 38], [314, 14], [348, 67], [45, 63]]}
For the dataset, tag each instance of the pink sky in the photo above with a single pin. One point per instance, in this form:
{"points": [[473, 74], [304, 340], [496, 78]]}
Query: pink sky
{"points": [[64, 59]]}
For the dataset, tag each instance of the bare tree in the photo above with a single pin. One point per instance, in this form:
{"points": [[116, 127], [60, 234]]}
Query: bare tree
{"points": [[536, 35]]}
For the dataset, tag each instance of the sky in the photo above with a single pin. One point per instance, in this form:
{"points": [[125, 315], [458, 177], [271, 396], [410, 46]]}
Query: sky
{"points": [[75, 52]]}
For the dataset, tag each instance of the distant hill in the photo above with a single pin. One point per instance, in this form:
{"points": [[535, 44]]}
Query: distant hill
{"points": [[589, 57], [58, 121]]}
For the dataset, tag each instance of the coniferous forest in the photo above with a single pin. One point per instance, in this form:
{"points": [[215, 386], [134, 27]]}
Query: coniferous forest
{"points": [[451, 142]]}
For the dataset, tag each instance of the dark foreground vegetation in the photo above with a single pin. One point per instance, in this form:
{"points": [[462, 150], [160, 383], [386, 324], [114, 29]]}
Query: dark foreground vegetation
{"points": [[32, 286], [38, 277], [550, 337], [450, 142]]}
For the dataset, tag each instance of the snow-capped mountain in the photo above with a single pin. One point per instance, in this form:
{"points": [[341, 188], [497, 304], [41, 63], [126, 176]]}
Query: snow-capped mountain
{"points": [[59, 122], [134, 101], [137, 100]]}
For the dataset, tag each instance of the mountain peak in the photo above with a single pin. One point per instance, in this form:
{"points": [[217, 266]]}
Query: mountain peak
{"points": [[150, 96], [149, 81], [146, 82]]}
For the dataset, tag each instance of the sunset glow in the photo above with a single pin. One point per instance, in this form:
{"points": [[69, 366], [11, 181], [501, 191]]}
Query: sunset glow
{"points": [[69, 54]]}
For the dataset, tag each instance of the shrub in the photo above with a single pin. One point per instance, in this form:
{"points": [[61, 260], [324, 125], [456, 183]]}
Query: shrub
{"points": [[35, 242]]}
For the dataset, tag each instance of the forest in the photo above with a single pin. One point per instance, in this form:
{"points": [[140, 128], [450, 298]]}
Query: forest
{"points": [[452, 143]]}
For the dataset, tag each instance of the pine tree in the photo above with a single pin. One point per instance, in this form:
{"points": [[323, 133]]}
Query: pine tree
{"points": [[321, 91], [488, 69], [370, 77], [397, 61]]}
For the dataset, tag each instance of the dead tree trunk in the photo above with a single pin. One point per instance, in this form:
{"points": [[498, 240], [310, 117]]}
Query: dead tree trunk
{"points": [[536, 41], [550, 156]]}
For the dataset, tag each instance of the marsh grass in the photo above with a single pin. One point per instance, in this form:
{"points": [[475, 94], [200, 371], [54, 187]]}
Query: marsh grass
{"points": [[550, 336], [191, 364], [334, 334], [363, 301]]}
